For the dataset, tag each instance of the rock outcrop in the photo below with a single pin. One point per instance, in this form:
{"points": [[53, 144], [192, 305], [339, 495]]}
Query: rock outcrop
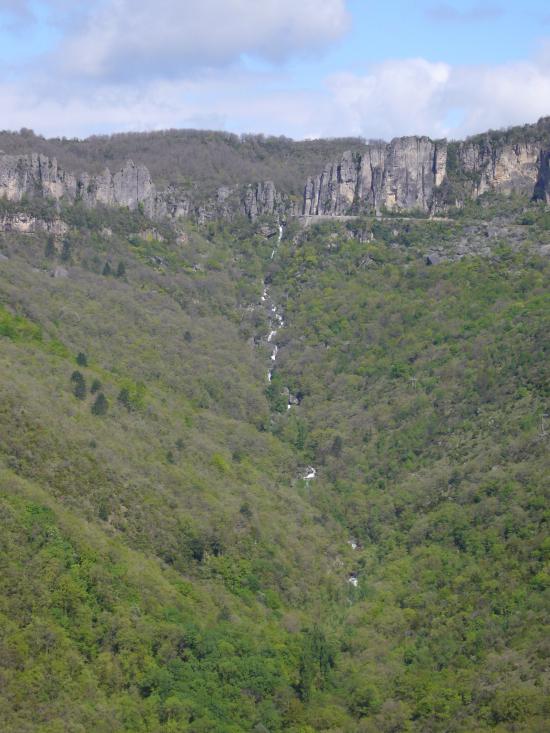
{"points": [[408, 174], [34, 176], [399, 175], [494, 167], [416, 173], [26, 224], [37, 176], [264, 199]]}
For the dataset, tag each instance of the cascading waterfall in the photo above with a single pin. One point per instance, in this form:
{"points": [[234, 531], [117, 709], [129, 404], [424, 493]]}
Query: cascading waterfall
{"points": [[276, 322], [275, 319]]}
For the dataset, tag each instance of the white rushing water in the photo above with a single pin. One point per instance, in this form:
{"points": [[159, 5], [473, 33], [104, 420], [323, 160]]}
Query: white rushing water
{"points": [[276, 322]]}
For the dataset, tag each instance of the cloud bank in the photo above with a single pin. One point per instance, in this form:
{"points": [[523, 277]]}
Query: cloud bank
{"points": [[140, 65], [129, 39], [418, 96]]}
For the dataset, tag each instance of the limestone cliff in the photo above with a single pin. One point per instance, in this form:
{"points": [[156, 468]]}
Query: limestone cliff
{"points": [[399, 175], [37, 176], [407, 174], [264, 199], [416, 173], [496, 167]]}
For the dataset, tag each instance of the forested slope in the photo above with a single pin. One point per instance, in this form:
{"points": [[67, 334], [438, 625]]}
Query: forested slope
{"points": [[165, 567], [191, 158]]}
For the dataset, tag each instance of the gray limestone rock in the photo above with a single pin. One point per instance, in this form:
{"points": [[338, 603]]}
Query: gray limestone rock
{"points": [[27, 224], [263, 198], [407, 174], [495, 167], [410, 173], [398, 175]]}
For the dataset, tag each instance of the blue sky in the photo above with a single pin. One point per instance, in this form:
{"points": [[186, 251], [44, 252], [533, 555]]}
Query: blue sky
{"points": [[308, 69]]}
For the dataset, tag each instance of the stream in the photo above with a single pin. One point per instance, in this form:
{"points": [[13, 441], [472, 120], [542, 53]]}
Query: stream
{"points": [[276, 322], [275, 319]]}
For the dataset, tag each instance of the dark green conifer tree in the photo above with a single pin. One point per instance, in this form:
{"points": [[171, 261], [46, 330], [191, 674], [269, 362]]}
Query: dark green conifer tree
{"points": [[79, 385], [66, 250], [100, 406], [49, 250]]}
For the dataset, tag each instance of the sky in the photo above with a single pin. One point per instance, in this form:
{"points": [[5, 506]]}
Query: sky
{"points": [[300, 68]]}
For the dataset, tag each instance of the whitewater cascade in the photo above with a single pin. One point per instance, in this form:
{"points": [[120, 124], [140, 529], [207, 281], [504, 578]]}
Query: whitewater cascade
{"points": [[276, 322]]}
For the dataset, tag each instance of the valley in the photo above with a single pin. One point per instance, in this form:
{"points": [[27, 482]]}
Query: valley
{"points": [[263, 471]]}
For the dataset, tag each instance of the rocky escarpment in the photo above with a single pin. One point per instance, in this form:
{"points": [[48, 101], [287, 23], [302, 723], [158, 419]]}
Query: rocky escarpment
{"points": [[252, 201], [494, 167], [416, 173], [407, 174], [26, 224], [400, 175], [37, 176], [264, 199]]}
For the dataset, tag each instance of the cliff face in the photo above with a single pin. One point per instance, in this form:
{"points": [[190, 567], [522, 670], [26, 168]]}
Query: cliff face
{"points": [[400, 175], [264, 199], [416, 173], [34, 175], [407, 174], [37, 176], [502, 168]]}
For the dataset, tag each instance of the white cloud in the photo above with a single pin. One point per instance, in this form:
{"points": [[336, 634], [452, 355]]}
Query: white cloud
{"points": [[415, 96], [395, 97], [236, 101], [206, 86], [148, 38]]}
